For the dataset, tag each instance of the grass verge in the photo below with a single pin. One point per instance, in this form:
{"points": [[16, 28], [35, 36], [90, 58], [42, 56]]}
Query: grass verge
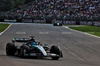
{"points": [[3, 27], [88, 29]]}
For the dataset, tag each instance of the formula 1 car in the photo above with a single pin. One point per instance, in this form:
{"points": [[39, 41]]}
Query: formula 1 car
{"points": [[32, 48], [57, 24]]}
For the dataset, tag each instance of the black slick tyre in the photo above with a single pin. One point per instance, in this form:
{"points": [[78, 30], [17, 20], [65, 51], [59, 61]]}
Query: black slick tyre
{"points": [[24, 50], [55, 50], [10, 49]]}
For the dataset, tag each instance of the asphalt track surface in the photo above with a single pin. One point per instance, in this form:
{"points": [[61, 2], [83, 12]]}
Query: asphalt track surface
{"points": [[78, 49]]}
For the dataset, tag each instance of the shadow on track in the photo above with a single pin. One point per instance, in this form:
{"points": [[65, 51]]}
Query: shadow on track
{"points": [[28, 58]]}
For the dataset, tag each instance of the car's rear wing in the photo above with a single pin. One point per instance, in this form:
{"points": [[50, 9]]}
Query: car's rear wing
{"points": [[20, 39]]}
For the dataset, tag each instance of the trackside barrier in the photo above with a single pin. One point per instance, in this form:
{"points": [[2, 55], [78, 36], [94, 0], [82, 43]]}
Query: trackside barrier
{"points": [[34, 20], [93, 23]]}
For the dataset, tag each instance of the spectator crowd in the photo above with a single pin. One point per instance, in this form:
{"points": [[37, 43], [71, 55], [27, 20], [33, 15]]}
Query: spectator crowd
{"points": [[61, 9]]}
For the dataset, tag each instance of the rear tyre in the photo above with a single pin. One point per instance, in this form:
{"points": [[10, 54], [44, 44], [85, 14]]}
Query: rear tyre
{"points": [[10, 49], [54, 24], [56, 50], [24, 50]]}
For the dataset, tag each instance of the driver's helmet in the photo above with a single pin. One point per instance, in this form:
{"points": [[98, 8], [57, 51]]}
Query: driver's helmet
{"points": [[32, 40]]}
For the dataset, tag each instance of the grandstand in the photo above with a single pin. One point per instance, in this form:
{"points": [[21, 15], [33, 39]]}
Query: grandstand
{"points": [[83, 10]]}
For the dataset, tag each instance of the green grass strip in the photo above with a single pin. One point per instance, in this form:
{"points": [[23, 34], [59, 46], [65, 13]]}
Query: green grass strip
{"points": [[88, 29], [3, 27]]}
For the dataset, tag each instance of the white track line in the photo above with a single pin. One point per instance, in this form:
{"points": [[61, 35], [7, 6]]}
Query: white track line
{"points": [[26, 23], [81, 32], [5, 29], [72, 53]]}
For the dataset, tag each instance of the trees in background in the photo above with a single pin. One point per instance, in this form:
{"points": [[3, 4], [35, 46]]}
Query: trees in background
{"points": [[7, 5]]}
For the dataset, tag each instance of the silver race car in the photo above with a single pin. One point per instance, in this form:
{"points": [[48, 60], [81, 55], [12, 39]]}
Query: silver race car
{"points": [[32, 48]]}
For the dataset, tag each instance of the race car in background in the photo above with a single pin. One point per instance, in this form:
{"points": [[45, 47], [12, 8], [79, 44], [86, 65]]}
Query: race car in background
{"points": [[57, 24], [29, 47]]}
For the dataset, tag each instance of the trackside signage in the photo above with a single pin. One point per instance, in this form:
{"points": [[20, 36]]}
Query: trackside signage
{"points": [[96, 24], [27, 20], [93, 23], [69, 22], [39, 21], [34, 20]]}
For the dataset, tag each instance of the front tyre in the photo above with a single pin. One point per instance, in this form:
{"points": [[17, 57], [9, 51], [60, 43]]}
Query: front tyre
{"points": [[10, 49], [23, 51], [56, 50]]}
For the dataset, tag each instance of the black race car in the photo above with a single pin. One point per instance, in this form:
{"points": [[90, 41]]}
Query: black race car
{"points": [[57, 24], [30, 47]]}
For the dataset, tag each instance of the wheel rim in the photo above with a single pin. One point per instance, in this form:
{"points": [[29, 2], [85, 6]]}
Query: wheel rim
{"points": [[24, 52]]}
